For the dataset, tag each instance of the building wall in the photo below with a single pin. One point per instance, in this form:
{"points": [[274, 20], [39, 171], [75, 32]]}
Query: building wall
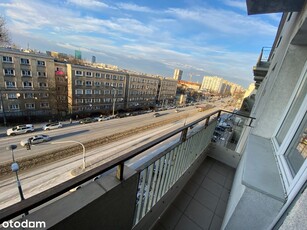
{"points": [[27, 83], [94, 89], [142, 91], [178, 74], [275, 168]]}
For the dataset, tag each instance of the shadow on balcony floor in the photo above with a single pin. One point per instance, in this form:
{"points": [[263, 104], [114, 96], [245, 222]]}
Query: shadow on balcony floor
{"points": [[202, 203]]}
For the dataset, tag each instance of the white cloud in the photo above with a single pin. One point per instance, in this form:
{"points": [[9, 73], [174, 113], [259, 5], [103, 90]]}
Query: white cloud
{"points": [[90, 4], [134, 7], [240, 4], [224, 21]]}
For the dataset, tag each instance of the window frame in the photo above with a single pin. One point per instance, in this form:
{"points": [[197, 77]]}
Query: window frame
{"points": [[289, 180]]}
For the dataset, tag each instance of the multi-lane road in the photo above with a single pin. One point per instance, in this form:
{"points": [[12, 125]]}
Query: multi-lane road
{"points": [[47, 176]]}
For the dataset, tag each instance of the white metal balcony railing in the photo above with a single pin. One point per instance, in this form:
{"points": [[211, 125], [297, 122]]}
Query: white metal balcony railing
{"points": [[161, 174]]}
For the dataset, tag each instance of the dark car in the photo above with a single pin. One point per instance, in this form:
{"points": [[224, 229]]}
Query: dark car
{"points": [[156, 115], [87, 120]]}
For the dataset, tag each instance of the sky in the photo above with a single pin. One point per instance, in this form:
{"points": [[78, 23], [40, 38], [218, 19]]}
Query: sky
{"points": [[203, 38]]}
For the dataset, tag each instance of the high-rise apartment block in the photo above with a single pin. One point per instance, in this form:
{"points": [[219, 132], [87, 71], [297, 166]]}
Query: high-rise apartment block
{"points": [[217, 85], [178, 74]]}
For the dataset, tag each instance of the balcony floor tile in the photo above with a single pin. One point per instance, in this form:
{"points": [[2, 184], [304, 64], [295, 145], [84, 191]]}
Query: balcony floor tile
{"points": [[202, 202]]}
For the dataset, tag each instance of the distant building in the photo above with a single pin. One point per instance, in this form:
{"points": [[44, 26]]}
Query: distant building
{"points": [[78, 54], [189, 85], [93, 59], [178, 74], [220, 86]]}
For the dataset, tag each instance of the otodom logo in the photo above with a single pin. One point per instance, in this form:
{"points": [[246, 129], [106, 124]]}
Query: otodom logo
{"points": [[24, 224]]}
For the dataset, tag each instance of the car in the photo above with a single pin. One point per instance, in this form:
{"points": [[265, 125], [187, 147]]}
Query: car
{"points": [[156, 115], [20, 129], [87, 120], [50, 126], [35, 140]]}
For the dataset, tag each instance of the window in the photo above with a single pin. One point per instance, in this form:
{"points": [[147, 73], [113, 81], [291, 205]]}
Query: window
{"points": [[88, 83], [297, 151], [28, 95], [114, 77], [12, 96], [120, 85], [88, 74], [79, 100], [88, 91], [44, 95], [98, 75], [30, 106], [7, 59], [108, 76], [106, 92], [78, 73], [79, 91], [97, 100], [9, 72], [42, 85], [121, 78], [97, 91], [10, 84], [14, 107], [41, 63], [88, 100], [41, 74], [24, 61], [97, 83], [113, 84], [290, 137], [78, 82], [107, 84], [107, 99], [44, 105], [26, 73], [27, 84]]}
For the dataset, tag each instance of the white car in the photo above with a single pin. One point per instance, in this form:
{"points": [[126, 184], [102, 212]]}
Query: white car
{"points": [[20, 129], [35, 140], [50, 126]]}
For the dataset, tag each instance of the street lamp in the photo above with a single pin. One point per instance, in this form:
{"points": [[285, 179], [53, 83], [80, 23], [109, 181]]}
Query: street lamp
{"points": [[15, 168], [114, 100], [3, 110], [83, 147]]}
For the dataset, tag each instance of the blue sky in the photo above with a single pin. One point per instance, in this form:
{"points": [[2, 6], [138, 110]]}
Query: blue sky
{"points": [[212, 37]]}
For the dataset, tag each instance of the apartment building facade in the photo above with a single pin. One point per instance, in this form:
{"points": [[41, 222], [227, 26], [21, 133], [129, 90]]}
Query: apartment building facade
{"points": [[94, 89], [167, 91], [141, 91], [27, 84]]}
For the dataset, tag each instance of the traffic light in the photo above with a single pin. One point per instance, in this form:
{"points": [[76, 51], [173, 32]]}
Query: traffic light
{"points": [[28, 146]]}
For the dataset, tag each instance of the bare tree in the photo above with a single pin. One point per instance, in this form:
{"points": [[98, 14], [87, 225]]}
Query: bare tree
{"points": [[4, 34]]}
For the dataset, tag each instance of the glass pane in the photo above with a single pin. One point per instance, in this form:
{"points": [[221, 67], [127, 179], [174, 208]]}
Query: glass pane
{"points": [[297, 152], [297, 101]]}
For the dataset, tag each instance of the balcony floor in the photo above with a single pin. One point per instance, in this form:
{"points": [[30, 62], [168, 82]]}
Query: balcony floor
{"points": [[202, 203]]}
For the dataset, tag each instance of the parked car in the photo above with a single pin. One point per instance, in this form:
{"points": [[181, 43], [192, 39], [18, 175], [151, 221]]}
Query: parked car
{"points": [[35, 140], [87, 120], [156, 115], [20, 129], [50, 126]]}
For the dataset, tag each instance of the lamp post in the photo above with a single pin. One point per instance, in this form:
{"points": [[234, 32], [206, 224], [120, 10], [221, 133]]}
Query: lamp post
{"points": [[3, 110], [15, 168], [114, 100], [83, 147]]}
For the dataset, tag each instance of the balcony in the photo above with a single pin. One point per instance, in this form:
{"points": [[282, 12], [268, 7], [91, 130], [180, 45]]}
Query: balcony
{"points": [[262, 66], [148, 181]]}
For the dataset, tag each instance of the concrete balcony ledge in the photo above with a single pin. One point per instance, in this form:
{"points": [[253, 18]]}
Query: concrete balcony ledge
{"points": [[260, 171]]}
